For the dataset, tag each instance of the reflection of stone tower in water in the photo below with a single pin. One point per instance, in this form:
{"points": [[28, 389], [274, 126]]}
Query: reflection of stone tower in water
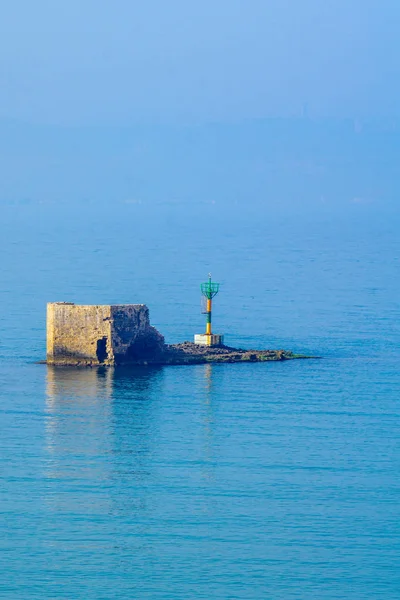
{"points": [[209, 290]]}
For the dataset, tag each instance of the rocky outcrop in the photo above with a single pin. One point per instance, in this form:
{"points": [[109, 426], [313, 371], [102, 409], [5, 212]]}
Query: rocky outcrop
{"points": [[85, 335], [132, 337], [189, 353]]}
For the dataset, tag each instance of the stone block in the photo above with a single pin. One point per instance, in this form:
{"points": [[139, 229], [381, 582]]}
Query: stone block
{"points": [[100, 335], [202, 339]]}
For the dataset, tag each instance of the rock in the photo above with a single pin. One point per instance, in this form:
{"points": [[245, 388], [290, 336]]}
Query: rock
{"points": [[100, 335], [110, 335], [189, 353]]}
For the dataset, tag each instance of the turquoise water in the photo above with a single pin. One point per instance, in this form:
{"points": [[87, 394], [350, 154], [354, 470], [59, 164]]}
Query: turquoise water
{"points": [[209, 481]]}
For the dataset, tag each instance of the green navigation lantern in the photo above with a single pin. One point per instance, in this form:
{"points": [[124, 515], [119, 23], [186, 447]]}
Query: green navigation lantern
{"points": [[209, 290]]}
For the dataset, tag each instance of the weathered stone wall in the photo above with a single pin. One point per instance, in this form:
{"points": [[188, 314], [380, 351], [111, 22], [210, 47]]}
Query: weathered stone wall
{"points": [[133, 338], [78, 334], [100, 335]]}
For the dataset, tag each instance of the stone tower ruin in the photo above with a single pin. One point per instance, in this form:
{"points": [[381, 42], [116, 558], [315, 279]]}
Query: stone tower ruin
{"points": [[101, 335]]}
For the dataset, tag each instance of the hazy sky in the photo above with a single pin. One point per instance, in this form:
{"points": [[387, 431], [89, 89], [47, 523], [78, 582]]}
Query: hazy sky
{"points": [[124, 62]]}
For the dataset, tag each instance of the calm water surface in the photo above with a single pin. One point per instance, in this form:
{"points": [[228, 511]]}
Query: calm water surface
{"points": [[216, 481]]}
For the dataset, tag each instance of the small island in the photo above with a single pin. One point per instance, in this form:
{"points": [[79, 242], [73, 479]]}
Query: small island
{"points": [[112, 335], [190, 353]]}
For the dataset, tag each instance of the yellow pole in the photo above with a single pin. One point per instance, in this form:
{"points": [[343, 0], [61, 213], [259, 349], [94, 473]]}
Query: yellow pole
{"points": [[208, 324]]}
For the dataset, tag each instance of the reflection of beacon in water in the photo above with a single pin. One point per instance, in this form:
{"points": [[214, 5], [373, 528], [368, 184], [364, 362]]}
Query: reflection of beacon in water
{"points": [[209, 290], [208, 380]]}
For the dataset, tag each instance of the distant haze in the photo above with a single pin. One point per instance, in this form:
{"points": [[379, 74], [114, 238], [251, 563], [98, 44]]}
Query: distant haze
{"points": [[266, 162], [219, 101], [125, 62]]}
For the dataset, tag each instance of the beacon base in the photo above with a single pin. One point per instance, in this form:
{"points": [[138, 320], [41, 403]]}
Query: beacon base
{"points": [[214, 339]]}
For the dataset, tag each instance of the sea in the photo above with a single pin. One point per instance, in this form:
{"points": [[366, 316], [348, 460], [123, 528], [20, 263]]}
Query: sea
{"points": [[234, 481]]}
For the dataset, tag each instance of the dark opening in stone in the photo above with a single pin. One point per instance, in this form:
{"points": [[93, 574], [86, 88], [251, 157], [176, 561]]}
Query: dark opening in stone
{"points": [[101, 351]]}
